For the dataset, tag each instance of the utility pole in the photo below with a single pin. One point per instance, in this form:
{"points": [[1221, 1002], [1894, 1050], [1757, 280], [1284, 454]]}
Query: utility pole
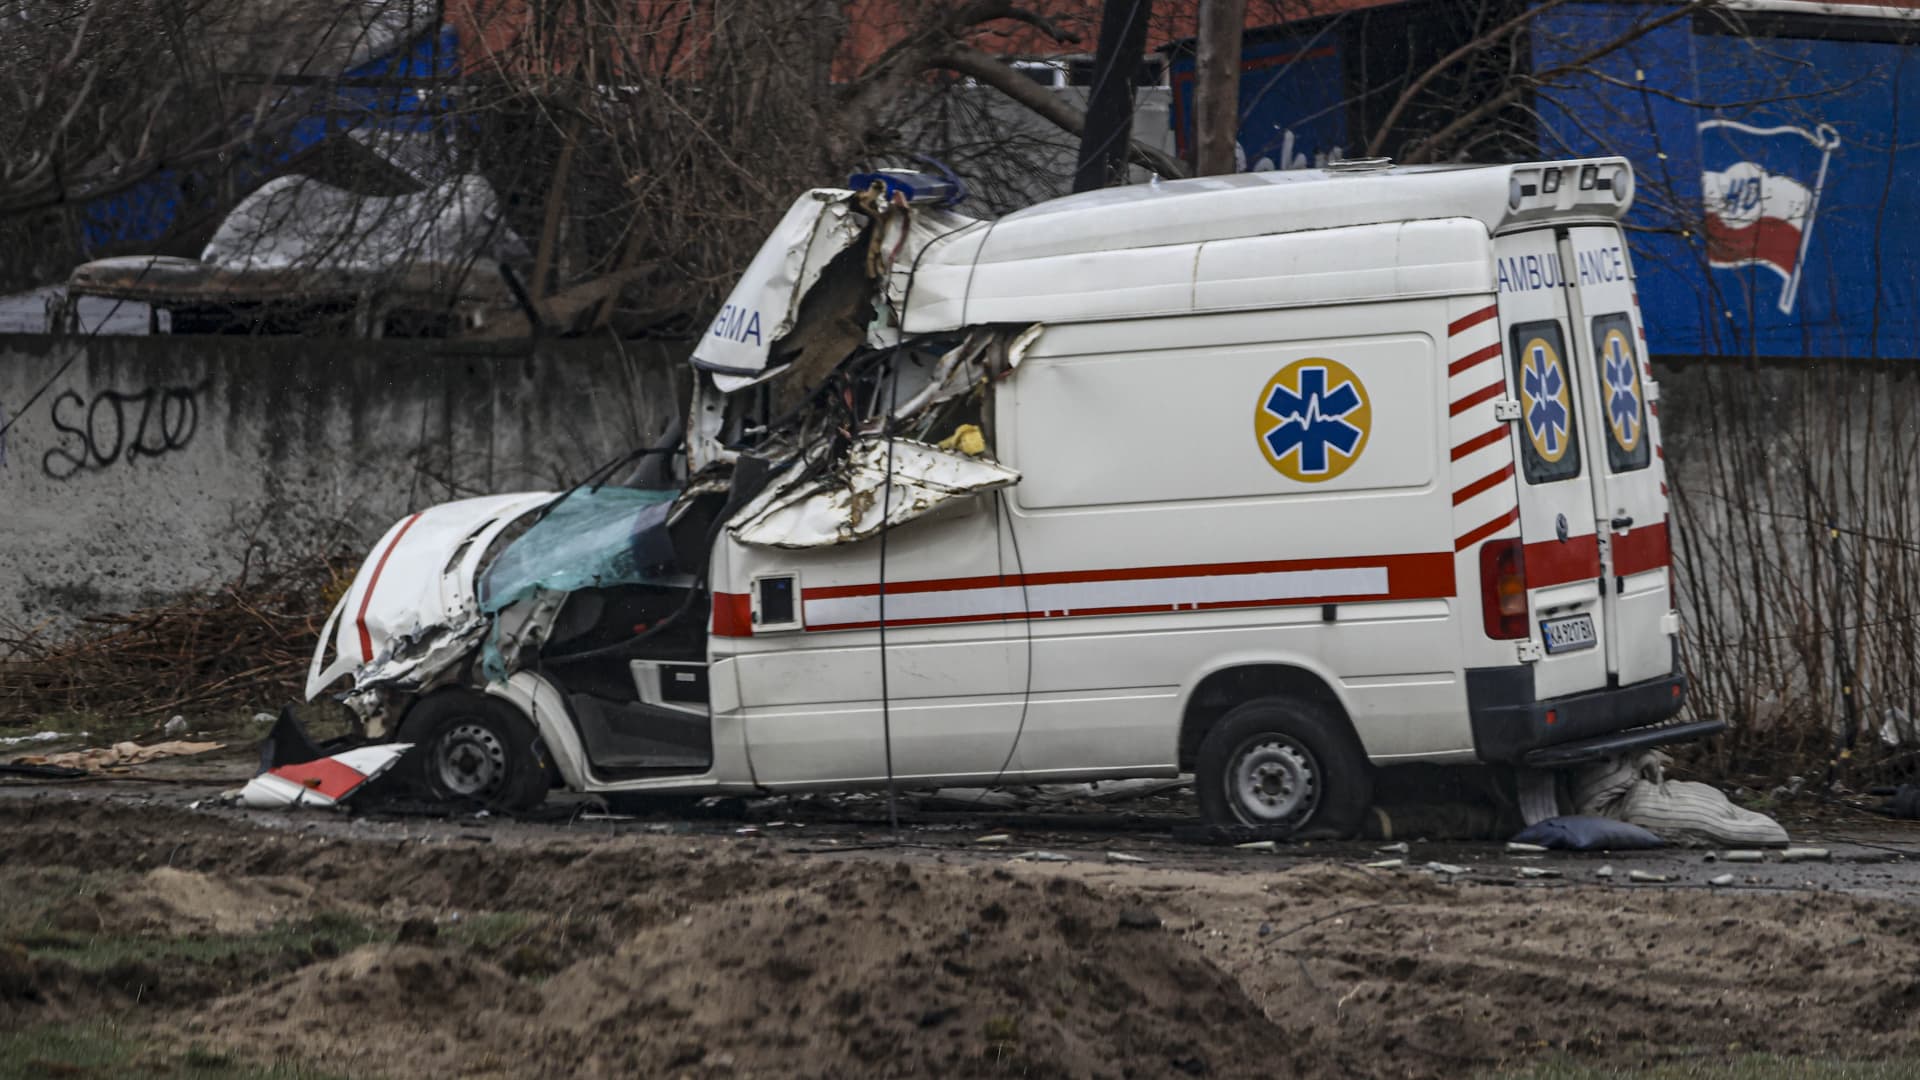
{"points": [[1216, 86], [1116, 62]]}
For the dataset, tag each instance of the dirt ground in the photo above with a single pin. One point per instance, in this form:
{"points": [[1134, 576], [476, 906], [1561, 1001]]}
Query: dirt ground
{"points": [[817, 944]]}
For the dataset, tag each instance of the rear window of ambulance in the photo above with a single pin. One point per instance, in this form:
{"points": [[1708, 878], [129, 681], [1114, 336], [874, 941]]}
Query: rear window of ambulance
{"points": [[1549, 436]]}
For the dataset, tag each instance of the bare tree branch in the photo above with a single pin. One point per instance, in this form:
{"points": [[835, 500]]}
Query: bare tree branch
{"points": [[969, 61]]}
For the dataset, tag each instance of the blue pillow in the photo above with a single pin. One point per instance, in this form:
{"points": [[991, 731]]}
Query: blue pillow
{"points": [[1588, 834]]}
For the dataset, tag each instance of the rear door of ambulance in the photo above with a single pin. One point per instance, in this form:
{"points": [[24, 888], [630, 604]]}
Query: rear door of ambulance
{"points": [[1627, 471], [1554, 452]]}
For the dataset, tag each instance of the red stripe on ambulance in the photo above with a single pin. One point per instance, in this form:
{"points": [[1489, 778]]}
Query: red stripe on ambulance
{"points": [[1558, 562], [1473, 359], [1476, 535], [1491, 479], [366, 598], [1479, 441], [732, 615], [1467, 322], [1645, 548], [1130, 591], [1485, 393]]}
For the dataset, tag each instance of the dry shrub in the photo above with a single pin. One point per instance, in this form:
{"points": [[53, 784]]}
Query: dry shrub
{"points": [[243, 645]]}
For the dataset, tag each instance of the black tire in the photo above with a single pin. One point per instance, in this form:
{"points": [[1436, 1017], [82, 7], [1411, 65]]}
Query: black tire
{"points": [[1284, 764], [470, 747]]}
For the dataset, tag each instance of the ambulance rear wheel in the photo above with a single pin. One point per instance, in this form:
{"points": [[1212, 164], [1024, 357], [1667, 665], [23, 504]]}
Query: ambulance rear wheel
{"points": [[472, 748], [1284, 764]]}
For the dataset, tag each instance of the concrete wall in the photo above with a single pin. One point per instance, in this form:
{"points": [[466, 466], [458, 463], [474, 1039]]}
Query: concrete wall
{"points": [[135, 468], [1796, 505]]}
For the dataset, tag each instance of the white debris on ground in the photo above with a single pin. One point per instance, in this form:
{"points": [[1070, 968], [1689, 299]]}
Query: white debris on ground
{"points": [[1636, 790], [40, 737], [323, 782], [1015, 798]]}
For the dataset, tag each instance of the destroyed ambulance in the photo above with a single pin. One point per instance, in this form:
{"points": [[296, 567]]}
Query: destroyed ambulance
{"points": [[1281, 479]]}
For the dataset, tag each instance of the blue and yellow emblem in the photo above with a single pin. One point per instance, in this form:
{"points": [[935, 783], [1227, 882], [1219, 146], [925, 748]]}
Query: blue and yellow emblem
{"points": [[1622, 377], [1546, 401], [1312, 420]]}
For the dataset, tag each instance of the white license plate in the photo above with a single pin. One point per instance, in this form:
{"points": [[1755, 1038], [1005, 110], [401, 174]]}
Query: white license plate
{"points": [[1568, 635]]}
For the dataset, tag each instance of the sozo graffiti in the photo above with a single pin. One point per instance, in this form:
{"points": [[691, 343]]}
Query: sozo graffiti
{"points": [[115, 427]]}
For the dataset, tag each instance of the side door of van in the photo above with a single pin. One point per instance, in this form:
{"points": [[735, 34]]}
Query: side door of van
{"points": [[1554, 450], [1627, 469], [807, 651]]}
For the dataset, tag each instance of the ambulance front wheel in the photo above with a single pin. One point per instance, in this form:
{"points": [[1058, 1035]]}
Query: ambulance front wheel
{"points": [[1285, 764], [472, 748]]}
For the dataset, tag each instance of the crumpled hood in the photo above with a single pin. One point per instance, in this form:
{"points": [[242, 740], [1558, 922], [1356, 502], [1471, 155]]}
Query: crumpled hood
{"points": [[420, 578]]}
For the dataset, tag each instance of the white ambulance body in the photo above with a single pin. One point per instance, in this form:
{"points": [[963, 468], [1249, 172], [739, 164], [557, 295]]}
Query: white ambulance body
{"points": [[1318, 472]]}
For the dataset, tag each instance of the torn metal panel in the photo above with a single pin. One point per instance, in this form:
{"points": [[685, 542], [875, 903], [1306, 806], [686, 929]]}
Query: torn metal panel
{"points": [[843, 506], [923, 228], [764, 306], [326, 781]]}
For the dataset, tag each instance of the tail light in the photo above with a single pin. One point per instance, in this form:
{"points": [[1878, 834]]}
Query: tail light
{"points": [[1503, 589]]}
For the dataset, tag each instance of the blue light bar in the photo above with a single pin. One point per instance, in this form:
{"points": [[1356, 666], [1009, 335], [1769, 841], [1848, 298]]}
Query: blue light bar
{"points": [[919, 188]]}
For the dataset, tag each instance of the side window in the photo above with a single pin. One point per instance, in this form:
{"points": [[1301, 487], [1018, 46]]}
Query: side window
{"points": [[1623, 401], [1551, 443]]}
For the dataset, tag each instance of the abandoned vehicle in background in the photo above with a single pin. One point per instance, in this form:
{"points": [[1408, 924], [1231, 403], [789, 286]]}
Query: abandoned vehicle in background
{"points": [[1282, 479]]}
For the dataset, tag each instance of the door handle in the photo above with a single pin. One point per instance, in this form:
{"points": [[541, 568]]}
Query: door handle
{"points": [[1622, 523]]}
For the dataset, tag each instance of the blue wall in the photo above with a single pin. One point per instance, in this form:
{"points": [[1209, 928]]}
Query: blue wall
{"points": [[1858, 287], [1855, 291], [1292, 101]]}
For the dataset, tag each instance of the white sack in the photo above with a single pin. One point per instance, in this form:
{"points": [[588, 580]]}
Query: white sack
{"points": [[1635, 790]]}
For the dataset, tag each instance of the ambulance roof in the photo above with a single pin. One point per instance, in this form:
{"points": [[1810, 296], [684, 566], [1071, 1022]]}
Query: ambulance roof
{"points": [[1264, 203], [1354, 232]]}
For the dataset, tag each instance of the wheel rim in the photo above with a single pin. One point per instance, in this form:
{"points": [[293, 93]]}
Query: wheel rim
{"points": [[1273, 780], [470, 760]]}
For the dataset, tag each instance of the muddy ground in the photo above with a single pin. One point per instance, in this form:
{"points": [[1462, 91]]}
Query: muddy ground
{"points": [[815, 943]]}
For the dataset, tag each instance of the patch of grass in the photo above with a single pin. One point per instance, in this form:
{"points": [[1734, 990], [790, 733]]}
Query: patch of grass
{"points": [[486, 932], [41, 899], [325, 934], [1751, 1067], [105, 1050]]}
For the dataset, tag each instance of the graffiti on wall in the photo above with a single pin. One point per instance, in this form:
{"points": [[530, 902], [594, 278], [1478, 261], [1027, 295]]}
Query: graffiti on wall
{"points": [[111, 427]]}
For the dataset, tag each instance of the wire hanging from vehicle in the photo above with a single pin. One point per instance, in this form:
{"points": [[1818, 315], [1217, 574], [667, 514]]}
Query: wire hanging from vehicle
{"points": [[1026, 617], [886, 501]]}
